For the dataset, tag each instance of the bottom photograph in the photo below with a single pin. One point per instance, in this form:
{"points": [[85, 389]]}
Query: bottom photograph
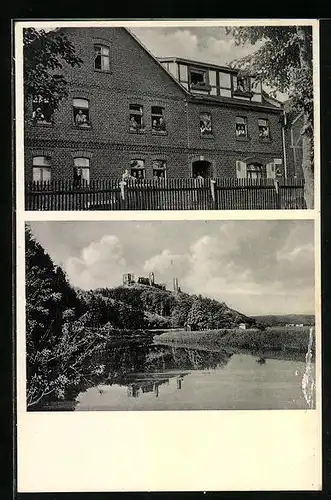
{"points": [[170, 315]]}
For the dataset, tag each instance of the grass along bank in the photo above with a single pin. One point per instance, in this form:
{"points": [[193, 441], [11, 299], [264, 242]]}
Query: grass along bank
{"points": [[271, 339]]}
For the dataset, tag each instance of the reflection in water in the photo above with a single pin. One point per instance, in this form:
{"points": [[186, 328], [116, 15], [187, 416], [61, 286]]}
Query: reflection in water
{"points": [[150, 385], [144, 367], [145, 376]]}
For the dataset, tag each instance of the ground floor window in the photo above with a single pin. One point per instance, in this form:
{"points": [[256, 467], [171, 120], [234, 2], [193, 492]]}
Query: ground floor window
{"points": [[137, 169], [254, 171], [159, 169], [41, 168], [81, 171]]}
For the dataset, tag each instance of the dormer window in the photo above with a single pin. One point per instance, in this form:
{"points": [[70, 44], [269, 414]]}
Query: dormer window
{"points": [[241, 86], [199, 79], [101, 57]]}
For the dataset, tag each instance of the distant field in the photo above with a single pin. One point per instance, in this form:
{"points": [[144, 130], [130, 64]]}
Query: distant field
{"points": [[273, 338]]}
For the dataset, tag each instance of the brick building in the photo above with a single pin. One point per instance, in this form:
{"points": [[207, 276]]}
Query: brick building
{"points": [[166, 118]]}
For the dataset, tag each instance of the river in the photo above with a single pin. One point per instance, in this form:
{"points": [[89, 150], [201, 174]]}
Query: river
{"points": [[163, 377]]}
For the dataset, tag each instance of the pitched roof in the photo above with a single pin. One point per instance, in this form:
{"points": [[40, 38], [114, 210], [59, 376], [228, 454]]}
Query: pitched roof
{"points": [[155, 59], [198, 63]]}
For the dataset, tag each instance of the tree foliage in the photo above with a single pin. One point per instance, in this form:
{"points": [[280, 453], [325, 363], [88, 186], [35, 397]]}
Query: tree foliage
{"points": [[55, 341], [45, 55], [283, 61]]}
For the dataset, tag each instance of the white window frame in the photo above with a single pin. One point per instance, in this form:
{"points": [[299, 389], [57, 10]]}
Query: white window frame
{"points": [[161, 168], [202, 85], [78, 104], [139, 168], [40, 103], [136, 113], [207, 113], [157, 116], [83, 163], [267, 126], [42, 165], [104, 56], [244, 122]]}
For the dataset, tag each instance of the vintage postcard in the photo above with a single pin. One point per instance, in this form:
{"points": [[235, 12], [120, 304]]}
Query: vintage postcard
{"points": [[168, 255]]}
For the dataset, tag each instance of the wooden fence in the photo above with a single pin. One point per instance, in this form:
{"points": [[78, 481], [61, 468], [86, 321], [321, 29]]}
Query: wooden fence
{"points": [[166, 194]]}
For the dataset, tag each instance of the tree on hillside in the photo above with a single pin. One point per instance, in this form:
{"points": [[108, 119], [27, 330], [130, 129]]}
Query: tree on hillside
{"points": [[284, 62], [45, 55], [55, 342], [198, 316], [181, 309]]}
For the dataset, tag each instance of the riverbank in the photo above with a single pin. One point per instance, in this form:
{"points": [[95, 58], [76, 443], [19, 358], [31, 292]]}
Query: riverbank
{"points": [[271, 339]]}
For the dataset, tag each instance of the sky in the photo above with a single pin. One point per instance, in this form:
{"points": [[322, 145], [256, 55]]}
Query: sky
{"points": [[256, 267], [207, 44]]}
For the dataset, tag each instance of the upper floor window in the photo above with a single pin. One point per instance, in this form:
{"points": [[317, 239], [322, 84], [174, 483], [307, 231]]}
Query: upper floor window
{"points": [[81, 170], [137, 169], [81, 112], [101, 57], [241, 84], [41, 111], [158, 122], [241, 126], [41, 168], [205, 124], [264, 131], [199, 78], [159, 169], [136, 117]]}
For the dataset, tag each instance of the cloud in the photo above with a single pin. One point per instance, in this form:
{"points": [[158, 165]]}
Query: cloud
{"points": [[100, 264], [245, 268], [257, 267], [201, 44], [167, 264]]}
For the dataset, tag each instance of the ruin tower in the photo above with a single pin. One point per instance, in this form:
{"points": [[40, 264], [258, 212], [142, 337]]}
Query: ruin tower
{"points": [[128, 279], [151, 279], [175, 284]]}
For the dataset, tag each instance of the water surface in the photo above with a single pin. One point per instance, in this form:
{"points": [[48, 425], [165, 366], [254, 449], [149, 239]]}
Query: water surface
{"points": [[163, 377]]}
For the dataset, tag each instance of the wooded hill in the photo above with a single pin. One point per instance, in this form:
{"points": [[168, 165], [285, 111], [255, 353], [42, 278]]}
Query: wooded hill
{"points": [[143, 306]]}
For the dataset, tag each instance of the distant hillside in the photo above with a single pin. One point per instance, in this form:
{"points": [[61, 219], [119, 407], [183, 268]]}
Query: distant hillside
{"points": [[280, 320], [158, 308]]}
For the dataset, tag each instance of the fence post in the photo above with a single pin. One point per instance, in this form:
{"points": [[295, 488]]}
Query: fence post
{"points": [[278, 199]]}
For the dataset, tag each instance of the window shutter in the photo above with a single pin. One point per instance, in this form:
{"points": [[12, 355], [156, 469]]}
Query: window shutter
{"points": [[271, 170], [241, 170]]}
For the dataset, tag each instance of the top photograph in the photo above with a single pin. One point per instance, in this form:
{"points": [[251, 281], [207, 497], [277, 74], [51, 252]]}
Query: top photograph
{"points": [[165, 117]]}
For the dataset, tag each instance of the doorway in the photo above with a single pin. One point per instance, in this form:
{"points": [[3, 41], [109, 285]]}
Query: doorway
{"points": [[201, 167]]}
